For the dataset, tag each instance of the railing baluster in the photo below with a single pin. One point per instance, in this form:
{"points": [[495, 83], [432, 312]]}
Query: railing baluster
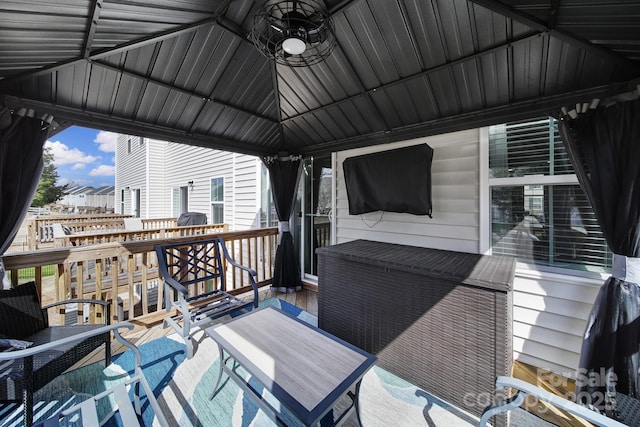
{"points": [[144, 287], [38, 279]]}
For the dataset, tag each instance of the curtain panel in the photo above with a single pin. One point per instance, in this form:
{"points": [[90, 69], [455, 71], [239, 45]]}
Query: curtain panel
{"points": [[22, 136], [603, 143], [284, 175]]}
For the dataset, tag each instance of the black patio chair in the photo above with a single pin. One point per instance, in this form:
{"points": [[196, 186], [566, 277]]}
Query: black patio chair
{"points": [[194, 276], [33, 353]]}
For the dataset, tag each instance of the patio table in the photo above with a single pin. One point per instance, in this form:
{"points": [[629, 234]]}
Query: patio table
{"points": [[306, 369]]}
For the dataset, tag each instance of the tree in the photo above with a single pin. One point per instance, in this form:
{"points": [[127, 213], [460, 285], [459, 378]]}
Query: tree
{"points": [[47, 191]]}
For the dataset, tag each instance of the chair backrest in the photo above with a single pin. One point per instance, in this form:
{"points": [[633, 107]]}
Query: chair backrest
{"points": [[20, 313], [133, 224], [58, 230], [193, 262]]}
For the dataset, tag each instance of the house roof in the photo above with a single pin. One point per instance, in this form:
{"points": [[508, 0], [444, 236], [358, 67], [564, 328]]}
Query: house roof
{"points": [[104, 190], [79, 189], [83, 189], [186, 70]]}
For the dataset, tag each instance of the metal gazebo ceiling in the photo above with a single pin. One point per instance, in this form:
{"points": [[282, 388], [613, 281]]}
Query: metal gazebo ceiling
{"points": [[186, 70]]}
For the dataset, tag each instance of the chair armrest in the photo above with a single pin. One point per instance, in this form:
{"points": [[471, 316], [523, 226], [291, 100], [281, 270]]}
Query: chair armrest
{"points": [[252, 273], [524, 389], [175, 284], [104, 304], [10, 355], [82, 301]]}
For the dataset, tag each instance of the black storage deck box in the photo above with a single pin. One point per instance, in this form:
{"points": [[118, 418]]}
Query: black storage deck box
{"points": [[439, 319]]}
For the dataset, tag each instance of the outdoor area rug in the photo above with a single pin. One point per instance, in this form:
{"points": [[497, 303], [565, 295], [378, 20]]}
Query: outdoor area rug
{"points": [[183, 388]]}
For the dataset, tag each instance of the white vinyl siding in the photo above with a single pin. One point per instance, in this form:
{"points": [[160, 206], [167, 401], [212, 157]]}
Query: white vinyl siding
{"points": [[156, 167], [131, 171], [188, 163], [246, 206], [454, 225], [157, 196], [185, 163], [550, 314]]}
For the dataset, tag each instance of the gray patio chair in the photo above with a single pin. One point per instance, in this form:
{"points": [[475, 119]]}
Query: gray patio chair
{"points": [[128, 407], [194, 276], [33, 352], [530, 392]]}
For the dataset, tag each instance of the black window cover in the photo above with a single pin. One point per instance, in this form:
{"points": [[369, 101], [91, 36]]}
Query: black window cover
{"points": [[396, 180]]}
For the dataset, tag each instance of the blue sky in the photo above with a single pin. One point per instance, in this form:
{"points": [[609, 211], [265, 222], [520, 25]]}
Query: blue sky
{"points": [[84, 156]]}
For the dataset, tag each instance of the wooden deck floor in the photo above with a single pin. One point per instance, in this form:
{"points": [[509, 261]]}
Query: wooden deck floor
{"points": [[151, 328]]}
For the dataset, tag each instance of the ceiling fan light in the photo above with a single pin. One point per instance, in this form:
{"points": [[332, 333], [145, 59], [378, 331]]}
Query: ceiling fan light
{"points": [[294, 46], [295, 33]]}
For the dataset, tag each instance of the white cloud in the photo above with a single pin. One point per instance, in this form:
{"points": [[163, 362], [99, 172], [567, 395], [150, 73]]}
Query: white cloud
{"points": [[63, 155], [78, 166], [103, 170], [106, 141]]}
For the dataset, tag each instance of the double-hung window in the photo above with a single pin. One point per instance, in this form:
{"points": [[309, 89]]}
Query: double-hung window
{"points": [[539, 213], [217, 200]]}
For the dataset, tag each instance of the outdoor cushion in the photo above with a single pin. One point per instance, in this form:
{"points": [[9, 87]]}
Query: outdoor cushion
{"points": [[20, 312], [17, 344]]}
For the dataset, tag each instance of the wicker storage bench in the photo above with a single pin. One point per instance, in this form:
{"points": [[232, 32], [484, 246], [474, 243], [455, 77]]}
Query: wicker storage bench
{"points": [[439, 319]]}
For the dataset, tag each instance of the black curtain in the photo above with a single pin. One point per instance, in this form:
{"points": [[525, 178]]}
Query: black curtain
{"points": [[604, 146], [22, 136], [283, 175]]}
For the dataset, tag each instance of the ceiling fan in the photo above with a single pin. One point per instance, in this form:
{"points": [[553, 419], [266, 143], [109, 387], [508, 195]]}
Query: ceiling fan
{"points": [[296, 33]]}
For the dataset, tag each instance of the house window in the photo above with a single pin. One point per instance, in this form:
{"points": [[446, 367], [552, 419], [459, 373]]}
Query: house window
{"points": [[129, 146], [217, 200], [122, 201], [539, 213]]}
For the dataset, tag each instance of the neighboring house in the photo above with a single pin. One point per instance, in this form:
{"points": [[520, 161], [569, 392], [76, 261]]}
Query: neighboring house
{"points": [[160, 179], [85, 196], [504, 190], [103, 197]]}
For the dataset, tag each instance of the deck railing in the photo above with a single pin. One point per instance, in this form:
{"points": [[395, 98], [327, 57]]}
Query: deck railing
{"points": [[93, 238], [40, 227], [41, 230], [126, 274]]}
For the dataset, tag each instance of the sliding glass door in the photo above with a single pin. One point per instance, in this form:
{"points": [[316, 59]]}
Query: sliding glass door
{"points": [[316, 210]]}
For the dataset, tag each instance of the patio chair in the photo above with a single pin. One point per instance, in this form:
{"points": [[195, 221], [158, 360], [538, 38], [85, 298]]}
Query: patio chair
{"points": [[33, 352], [195, 275], [128, 407], [531, 393]]}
